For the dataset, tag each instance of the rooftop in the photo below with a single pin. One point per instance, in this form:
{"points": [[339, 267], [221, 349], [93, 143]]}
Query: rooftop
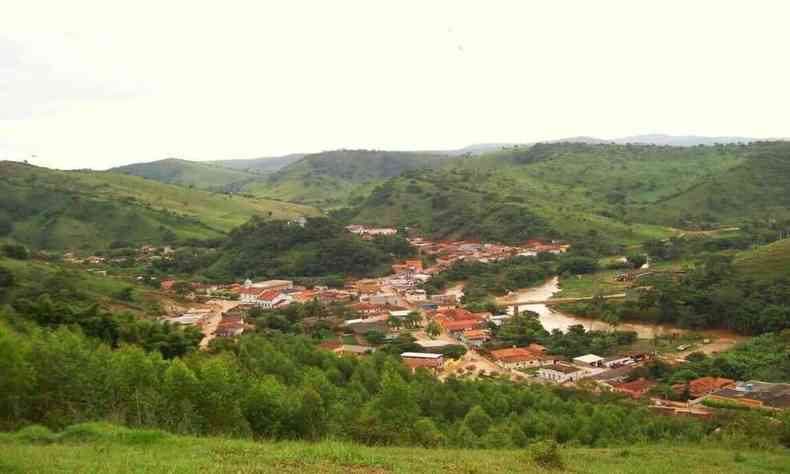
{"points": [[420, 355]]}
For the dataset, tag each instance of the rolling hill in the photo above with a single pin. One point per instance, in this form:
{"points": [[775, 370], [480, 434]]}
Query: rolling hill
{"points": [[757, 188], [52, 209], [190, 173], [260, 165], [336, 178]]}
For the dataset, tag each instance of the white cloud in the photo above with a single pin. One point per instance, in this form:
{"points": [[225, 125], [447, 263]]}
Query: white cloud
{"points": [[96, 84]]}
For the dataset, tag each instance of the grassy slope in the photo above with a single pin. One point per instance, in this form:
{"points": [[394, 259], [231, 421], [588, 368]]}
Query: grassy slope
{"points": [[471, 198], [756, 188], [187, 173], [335, 178], [101, 448], [260, 165], [766, 262], [31, 275], [85, 209]]}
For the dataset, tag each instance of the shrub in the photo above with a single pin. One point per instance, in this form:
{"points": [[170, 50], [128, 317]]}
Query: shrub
{"points": [[547, 455], [36, 434]]}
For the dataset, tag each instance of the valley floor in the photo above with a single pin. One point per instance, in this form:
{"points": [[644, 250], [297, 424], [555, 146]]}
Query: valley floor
{"points": [[127, 451]]}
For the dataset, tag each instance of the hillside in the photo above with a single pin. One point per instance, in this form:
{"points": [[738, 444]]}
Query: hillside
{"points": [[86, 209], [106, 449], [755, 189], [335, 178], [35, 277], [260, 165], [628, 192], [766, 262], [189, 173]]}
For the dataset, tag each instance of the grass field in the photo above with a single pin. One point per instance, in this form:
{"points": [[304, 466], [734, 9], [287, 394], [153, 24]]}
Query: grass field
{"points": [[766, 262], [97, 448]]}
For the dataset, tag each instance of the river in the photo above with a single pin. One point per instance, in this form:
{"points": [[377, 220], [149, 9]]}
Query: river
{"points": [[552, 319]]}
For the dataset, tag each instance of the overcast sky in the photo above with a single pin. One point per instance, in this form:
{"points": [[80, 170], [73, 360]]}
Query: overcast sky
{"points": [[98, 84]]}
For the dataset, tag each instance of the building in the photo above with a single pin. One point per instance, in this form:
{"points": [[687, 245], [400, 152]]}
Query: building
{"points": [[353, 350], [384, 299], [424, 360], [561, 373], [589, 360], [516, 358], [475, 337], [756, 394], [269, 284]]}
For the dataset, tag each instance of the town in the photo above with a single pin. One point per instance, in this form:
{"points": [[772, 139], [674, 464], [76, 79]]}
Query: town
{"points": [[447, 338]]}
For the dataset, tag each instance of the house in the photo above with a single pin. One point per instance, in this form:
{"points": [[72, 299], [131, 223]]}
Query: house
{"points": [[266, 299], [434, 345], [425, 360], [703, 386], [561, 373], [516, 358], [756, 394], [617, 361], [353, 350], [167, 285], [634, 389], [475, 337], [384, 299], [416, 296], [230, 326], [445, 299], [589, 360], [269, 284]]}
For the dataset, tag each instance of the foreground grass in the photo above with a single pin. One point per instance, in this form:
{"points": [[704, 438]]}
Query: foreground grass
{"points": [[99, 448]]}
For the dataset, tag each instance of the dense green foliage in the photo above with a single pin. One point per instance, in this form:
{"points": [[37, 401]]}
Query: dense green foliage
{"points": [[281, 387], [337, 178], [713, 295], [525, 328], [274, 249]]}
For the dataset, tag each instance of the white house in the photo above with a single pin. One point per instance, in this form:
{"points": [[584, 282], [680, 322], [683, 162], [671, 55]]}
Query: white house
{"points": [[560, 373]]}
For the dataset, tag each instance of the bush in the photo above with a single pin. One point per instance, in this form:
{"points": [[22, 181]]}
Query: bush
{"points": [[547, 455], [36, 434], [15, 251]]}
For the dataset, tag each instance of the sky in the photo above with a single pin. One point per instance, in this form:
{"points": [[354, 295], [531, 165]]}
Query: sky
{"points": [[96, 84]]}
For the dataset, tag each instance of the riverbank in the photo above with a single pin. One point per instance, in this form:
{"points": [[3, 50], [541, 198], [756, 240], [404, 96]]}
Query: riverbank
{"points": [[552, 318]]}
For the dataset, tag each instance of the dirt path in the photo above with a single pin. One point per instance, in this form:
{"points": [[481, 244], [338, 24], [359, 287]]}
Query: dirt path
{"points": [[212, 320]]}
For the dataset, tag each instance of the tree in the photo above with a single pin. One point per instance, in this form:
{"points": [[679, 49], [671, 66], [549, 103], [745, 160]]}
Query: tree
{"points": [[426, 434], [477, 420], [433, 329], [126, 294], [6, 280], [15, 251]]}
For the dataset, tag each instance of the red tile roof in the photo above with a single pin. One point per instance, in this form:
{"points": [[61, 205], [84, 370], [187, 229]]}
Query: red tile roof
{"points": [[515, 354]]}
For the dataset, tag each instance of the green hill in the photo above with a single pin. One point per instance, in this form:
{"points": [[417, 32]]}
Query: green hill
{"points": [[475, 203], [335, 178], [260, 165], [102, 448], [628, 192], [757, 188], [766, 262], [190, 173], [88, 209]]}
